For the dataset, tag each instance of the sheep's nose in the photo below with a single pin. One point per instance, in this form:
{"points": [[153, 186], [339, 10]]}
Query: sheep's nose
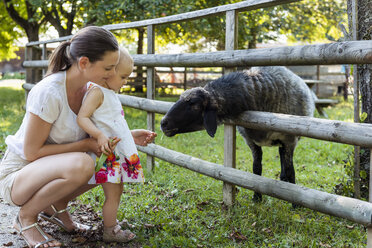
{"points": [[163, 122]]}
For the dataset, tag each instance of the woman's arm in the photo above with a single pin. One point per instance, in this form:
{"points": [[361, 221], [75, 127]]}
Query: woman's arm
{"points": [[37, 132]]}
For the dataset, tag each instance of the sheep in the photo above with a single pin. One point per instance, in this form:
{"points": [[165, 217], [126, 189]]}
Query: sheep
{"points": [[270, 89]]}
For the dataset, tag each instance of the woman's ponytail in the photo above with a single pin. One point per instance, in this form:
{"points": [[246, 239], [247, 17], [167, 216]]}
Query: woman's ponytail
{"points": [[60, 60]]}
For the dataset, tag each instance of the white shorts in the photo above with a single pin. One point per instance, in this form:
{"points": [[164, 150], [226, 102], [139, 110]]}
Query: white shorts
{"points": [[9, 167]]}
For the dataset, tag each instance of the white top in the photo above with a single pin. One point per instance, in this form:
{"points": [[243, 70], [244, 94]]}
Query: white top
{"points": [[48, 100], [125, 165]]}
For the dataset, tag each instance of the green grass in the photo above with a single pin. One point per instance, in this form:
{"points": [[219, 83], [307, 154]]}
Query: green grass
{"points": [[11, 110], [180, 208]]}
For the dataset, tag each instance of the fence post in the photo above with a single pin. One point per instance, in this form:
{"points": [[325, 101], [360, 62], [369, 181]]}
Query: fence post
{"points": [[28, 56], [356, 87], [229, 130], [44, 54], [150, 89], [185, 79], [369, 229]]}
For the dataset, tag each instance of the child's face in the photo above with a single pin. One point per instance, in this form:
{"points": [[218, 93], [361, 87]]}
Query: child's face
{"points": [[123, 71]]}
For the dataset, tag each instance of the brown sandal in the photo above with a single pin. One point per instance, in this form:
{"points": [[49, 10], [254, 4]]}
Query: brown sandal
{"points": [[115, 234]]}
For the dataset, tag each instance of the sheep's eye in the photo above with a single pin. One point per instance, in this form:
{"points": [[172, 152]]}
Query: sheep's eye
{"points": [[194, 106]]}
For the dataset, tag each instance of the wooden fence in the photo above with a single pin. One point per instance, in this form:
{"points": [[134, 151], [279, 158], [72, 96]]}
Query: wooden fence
{"points": [[352, 52]]}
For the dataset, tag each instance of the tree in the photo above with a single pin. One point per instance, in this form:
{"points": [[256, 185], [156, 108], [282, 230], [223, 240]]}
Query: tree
{"points": [[27, 16], [60, 14], [364, 74]]}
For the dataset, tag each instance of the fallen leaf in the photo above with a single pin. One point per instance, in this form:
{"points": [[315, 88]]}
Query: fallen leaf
{"points": [[84, 218], [79, 240], [238, 236], [254, 224], [349, 227], [203, 203], [149, 225], [266, 230], [8, 244], [325, 245]]}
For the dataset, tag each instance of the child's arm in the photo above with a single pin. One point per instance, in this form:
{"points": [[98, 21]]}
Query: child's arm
{"points": [[92, 101]]}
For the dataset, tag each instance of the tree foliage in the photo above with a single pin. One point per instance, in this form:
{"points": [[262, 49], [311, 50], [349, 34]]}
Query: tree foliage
{"points": [[8, 34], [305, 21]]}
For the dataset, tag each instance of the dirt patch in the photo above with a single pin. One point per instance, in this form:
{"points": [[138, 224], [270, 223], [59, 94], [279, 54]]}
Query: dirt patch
{"points": [[80, 213]]}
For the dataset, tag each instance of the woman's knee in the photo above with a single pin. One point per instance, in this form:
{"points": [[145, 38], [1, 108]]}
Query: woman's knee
{"points": [[82, 167]]}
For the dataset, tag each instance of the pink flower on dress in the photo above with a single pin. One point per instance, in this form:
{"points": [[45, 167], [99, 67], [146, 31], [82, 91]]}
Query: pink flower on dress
{"points": [[132, 166], [109, 168], [122, 112], [101, 176]]}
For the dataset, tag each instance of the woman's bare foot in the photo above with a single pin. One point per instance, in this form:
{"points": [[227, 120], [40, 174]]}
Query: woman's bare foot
{"points": [[32, 236]]}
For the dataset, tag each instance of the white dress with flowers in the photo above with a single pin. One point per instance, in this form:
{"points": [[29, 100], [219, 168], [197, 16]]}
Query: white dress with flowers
{"points": [[123, 165]]}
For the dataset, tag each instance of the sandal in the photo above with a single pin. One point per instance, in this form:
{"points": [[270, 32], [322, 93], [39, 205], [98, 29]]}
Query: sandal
{"points": [[53, 219], [115, 234], [23, 229]]}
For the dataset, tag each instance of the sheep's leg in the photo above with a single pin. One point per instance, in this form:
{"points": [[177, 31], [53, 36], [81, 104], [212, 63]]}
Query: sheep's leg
{"points": [[257, 166], [286, 161]]}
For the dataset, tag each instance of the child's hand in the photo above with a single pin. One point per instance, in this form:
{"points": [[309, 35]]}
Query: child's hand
{"points": [[104, 144], [113, 142], [143, 137]]}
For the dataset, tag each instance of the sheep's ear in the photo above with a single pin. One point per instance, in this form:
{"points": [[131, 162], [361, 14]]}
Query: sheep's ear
{"points": [[210, 122]]}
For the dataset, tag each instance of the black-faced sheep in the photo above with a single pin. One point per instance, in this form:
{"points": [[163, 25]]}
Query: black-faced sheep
{"points": [[269, 89]]}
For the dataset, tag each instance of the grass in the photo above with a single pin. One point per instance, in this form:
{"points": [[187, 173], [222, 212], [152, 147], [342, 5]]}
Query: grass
{"points": [[180, 208]]}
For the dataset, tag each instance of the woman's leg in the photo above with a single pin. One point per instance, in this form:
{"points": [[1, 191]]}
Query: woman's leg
{"points": [[65, 217], [46, 181], [113, 193]]}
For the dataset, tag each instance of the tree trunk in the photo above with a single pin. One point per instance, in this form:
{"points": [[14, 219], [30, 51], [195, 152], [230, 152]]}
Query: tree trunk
{"points": [[364, 72]]}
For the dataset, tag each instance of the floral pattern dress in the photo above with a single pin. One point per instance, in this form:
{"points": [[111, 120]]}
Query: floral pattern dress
{"points": [[123, 165]]}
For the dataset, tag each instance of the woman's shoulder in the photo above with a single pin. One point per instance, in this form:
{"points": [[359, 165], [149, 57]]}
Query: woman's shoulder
{"points": [[53, 83]]}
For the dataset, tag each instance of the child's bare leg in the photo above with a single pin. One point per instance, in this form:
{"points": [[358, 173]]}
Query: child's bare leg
{"points": [[113, 193], [111, 231]]}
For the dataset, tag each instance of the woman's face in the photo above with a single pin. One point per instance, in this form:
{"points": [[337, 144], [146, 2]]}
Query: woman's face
{"points": [[99, 71]]}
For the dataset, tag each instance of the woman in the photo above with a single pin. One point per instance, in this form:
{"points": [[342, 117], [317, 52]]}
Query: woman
{"points": [[46, 165]]}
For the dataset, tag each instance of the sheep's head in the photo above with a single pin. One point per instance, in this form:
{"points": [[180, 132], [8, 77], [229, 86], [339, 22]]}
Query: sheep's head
{"points": [[194, 111]]}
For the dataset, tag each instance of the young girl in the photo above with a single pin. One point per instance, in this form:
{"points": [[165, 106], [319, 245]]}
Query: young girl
{"points": [[102, 117]]}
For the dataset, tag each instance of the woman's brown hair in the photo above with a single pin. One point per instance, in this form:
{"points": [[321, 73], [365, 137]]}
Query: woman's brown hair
{"points": [[91, 42]]}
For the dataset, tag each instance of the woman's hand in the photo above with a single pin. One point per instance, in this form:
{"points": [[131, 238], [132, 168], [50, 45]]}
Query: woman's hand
{"points": [[92, 146], [143, 137]]}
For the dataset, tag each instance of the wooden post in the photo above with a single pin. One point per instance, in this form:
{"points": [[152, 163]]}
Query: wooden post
{"points": [[150, 88], [356, 87], [317, 78], [28, 56], [229, 130], [44, 55], [185, 79], [369, 229]]}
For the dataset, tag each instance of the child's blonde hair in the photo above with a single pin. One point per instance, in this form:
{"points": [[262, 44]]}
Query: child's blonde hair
{"points": [[125, 56]]}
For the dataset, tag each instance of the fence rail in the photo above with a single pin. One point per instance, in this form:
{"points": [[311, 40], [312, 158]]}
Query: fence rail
{"points": [[331, 53]]}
